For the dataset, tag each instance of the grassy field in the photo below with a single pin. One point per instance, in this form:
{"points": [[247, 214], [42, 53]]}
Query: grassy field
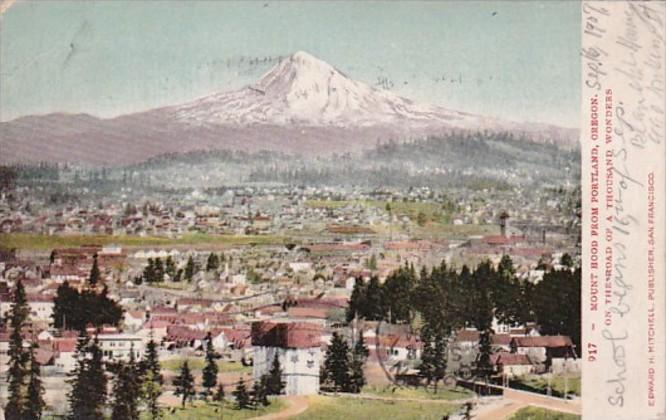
{"points": [[432, 211], [437, 218], [534, 413], [197, 364], [557, 384], [418, 393], [204, 411], [35, 241], [332, 408]]}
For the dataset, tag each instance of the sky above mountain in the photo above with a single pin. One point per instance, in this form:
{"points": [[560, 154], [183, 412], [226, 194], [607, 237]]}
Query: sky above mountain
{"points": [[512, 60]]}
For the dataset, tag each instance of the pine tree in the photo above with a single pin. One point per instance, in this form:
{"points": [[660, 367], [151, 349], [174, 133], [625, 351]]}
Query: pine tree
{"points": [[18, 357], [189, 269], [259, 394], [152, 380], [210, 369], [275, 383], [427, 366], [359, 355], [241, 395], [159, 270], [170, 267], [126, 390], [336, 364], [219, 394], [357, 301], [88, 380], [184, 384], [213, 262], [94, 276], [149, 271], [439, 358], [374, 309], [35, 403]]}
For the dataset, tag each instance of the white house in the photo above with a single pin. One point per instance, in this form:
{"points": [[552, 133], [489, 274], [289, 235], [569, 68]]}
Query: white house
{"points": [[297, 345], [118, 345], [134, 320], [512, 364], [40, 306]]}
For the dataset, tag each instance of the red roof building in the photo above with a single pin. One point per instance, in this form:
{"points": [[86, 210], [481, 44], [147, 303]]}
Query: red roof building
{"points": [[286, 334]]}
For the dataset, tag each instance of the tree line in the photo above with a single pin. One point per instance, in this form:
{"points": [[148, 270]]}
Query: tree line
{"points": [[446, 299], [156, 269]]}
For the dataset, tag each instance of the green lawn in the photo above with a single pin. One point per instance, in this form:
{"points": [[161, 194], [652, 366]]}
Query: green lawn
{"points": [[418, 393], [35, 241], [557, 384], [335, 408], [197, 364], [534, 413], [203, 411]]}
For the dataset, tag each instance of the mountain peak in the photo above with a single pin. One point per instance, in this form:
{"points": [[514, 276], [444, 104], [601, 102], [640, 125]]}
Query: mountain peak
{"points": [[301, 71], [305, 90], [304, 57]]}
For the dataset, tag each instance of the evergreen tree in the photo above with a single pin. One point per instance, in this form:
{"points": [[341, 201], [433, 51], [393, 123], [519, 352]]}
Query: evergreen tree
{"points": [[374, 309], [219, 394], [395, 292], [184, 384], [213, 262], [357, 301], [241, 395], [159, 270], [553, 317], [149, 272], [427, 365], [152, 380], [567, 261], [35, 403], [359, 355], [126, 390], [74, 310], [439, 358], [480, 307], [170, 267], [275, 384], [336, 363], [88, 380], [94, 276], [259, 393], [210, 369], [189, 269], [18, 357]]}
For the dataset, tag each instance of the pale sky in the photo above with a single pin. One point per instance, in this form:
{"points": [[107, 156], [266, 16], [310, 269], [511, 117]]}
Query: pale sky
{"points": [[510, 59]]}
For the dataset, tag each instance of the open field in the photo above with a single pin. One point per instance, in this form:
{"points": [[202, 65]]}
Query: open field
{"points": [[391, 391], [334, 408], [535, 413], [556, 383], [202, 411], [37, 241]]}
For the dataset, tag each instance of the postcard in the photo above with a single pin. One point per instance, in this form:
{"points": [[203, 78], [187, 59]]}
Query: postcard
{"points": [[332, 210]]}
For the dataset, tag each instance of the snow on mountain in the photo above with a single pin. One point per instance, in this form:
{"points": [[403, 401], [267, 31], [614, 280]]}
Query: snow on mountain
{"points": [[304, 90], [302, 105]]}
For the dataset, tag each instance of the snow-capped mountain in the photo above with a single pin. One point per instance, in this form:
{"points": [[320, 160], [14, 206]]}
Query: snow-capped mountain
{"points": [[302, 105], [304, 90]]}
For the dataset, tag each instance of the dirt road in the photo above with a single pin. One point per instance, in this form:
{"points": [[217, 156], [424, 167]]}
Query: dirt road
{"points": [[297, 405]]}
